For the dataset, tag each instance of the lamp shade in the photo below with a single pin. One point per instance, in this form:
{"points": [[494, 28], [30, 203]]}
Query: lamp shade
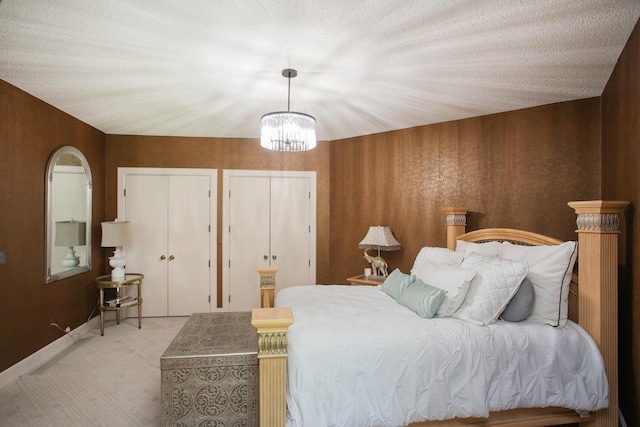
{"points": [[380, 237], [115, 233], [71, 233]]}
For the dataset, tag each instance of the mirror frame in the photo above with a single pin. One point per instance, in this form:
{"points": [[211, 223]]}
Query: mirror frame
{"points": [[67, 149]]}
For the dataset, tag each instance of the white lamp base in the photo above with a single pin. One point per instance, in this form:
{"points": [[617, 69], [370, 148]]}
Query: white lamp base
{"points": [[117, 261], [70, 260]]}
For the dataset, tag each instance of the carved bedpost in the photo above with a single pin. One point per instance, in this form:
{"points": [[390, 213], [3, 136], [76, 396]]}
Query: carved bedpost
{"points": [[598, 223], [267, 285], [456, 225], [272, 325]]}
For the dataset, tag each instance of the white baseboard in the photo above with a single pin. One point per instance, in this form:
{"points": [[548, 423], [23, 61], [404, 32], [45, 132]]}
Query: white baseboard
{"points": [[621, 421], [43, 355]]}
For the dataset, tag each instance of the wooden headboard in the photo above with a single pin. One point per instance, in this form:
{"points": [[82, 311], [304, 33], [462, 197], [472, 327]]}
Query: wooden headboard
{"points": [[593, 302]]}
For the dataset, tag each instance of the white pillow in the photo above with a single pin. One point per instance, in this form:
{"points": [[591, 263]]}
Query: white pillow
{"points": [[442, 256], [495, 283], [487, 248], [455, 281], [550, 270]]}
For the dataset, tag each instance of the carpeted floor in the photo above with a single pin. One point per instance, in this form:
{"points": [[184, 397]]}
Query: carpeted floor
{"points": [[110, 380]]}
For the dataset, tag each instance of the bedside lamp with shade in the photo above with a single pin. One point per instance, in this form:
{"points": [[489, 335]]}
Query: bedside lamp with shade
{"points": [[379, 237], [71, 233], [116, 234]]}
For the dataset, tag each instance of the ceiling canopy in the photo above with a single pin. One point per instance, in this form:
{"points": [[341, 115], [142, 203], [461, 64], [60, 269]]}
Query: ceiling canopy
{"points": [[213, 68]]}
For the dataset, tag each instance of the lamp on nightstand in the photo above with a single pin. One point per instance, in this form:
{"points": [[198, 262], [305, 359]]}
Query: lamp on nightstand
{"points": [[116, 234], [379, 237]]}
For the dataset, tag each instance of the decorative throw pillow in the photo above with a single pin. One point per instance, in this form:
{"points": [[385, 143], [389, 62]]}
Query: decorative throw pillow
{"points": [[396, 283], [442, 256], [487, 248], [422, 298], [550, 271], [453, 280], [521, 305], [495, 283]]}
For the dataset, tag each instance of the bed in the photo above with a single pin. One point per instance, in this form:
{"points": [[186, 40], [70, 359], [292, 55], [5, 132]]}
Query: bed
{"points": [[513, 366]]}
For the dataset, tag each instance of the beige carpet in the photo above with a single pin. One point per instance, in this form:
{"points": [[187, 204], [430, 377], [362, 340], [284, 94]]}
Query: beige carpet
{"points": [[110, 380]]}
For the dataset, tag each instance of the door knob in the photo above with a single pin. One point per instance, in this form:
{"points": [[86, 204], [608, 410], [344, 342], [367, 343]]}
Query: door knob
{"points": [[163, 257], [171, 257], [274, 257], [266, 257]]}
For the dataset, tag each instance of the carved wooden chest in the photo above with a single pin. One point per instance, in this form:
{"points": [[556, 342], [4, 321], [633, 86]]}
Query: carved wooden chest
{"points": [[210, 373]]}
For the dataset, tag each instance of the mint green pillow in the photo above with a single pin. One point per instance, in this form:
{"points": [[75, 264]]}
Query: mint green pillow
{"points": [[422, 298], [396, 283]]}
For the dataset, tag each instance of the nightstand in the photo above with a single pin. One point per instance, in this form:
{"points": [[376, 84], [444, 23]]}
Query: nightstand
{"points": [[369, 281], [105, 282]]}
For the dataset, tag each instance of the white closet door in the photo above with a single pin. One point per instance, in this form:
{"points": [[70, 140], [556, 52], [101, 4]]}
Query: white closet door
{"points": [[249, 239], [290, 231], [146, 209], [188, 243]]}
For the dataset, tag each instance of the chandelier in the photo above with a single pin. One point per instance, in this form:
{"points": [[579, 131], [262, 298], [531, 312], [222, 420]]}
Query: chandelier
{"points": [[288, 130]]}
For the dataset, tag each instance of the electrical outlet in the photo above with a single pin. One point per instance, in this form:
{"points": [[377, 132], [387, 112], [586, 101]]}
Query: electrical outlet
{"points": [[3, 257]]}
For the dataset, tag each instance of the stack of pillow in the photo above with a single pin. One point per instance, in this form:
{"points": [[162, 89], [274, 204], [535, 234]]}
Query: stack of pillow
{"points": [[481, 282]]}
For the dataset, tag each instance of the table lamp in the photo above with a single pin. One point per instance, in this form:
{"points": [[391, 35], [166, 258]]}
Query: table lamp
{"points": [[379, 237], [116, 234]]}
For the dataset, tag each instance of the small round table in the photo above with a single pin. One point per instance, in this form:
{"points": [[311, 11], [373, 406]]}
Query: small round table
{"points": [[129, 279]]}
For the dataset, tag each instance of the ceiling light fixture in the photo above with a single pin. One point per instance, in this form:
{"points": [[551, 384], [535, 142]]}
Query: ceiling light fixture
{"points": [[288, 130]]}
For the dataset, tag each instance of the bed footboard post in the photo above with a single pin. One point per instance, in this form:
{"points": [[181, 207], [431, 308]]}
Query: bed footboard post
{"points": [[272, 325], [456, 225], [598, 223], [267, 286]]}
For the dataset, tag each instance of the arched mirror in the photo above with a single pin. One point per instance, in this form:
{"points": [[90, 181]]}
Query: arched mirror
{"points": [[68, 222]]}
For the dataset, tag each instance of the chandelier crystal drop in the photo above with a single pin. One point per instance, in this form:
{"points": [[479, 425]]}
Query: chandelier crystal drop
{"points": [[288, 130]]}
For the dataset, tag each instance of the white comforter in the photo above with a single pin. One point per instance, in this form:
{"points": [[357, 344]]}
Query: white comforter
{"points": [[358, 358]]}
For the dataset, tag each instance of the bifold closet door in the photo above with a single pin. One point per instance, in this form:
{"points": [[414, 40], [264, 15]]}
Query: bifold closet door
{"points": [[290, 231], [170, 242], [269, 225], [249, 230], [188, 245], [146, 209]]}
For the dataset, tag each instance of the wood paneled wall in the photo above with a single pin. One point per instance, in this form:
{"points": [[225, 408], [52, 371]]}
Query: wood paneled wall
{"points": [[222, 153], [30, 131], [621, 181], [516, 169]]}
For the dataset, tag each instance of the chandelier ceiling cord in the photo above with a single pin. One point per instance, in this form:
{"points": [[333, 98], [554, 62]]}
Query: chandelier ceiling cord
{"points": [[288, 130]]}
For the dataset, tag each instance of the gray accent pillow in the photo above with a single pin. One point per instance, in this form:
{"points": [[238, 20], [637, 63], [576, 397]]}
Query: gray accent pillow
{"points": [[521, 305]]}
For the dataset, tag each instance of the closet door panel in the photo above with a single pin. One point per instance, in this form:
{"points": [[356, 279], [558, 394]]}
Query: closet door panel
{"points": [[290, 231], [146, 209], [188, 242], [249, 240]]}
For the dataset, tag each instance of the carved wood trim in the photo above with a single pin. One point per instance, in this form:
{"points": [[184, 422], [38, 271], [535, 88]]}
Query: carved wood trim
{"points": [[598, 222], [267, 286], [509, 234], [456, 221], [272, 325]]}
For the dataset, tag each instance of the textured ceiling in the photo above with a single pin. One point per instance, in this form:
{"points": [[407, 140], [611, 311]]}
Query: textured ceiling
{"points": [[213, 67]]}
